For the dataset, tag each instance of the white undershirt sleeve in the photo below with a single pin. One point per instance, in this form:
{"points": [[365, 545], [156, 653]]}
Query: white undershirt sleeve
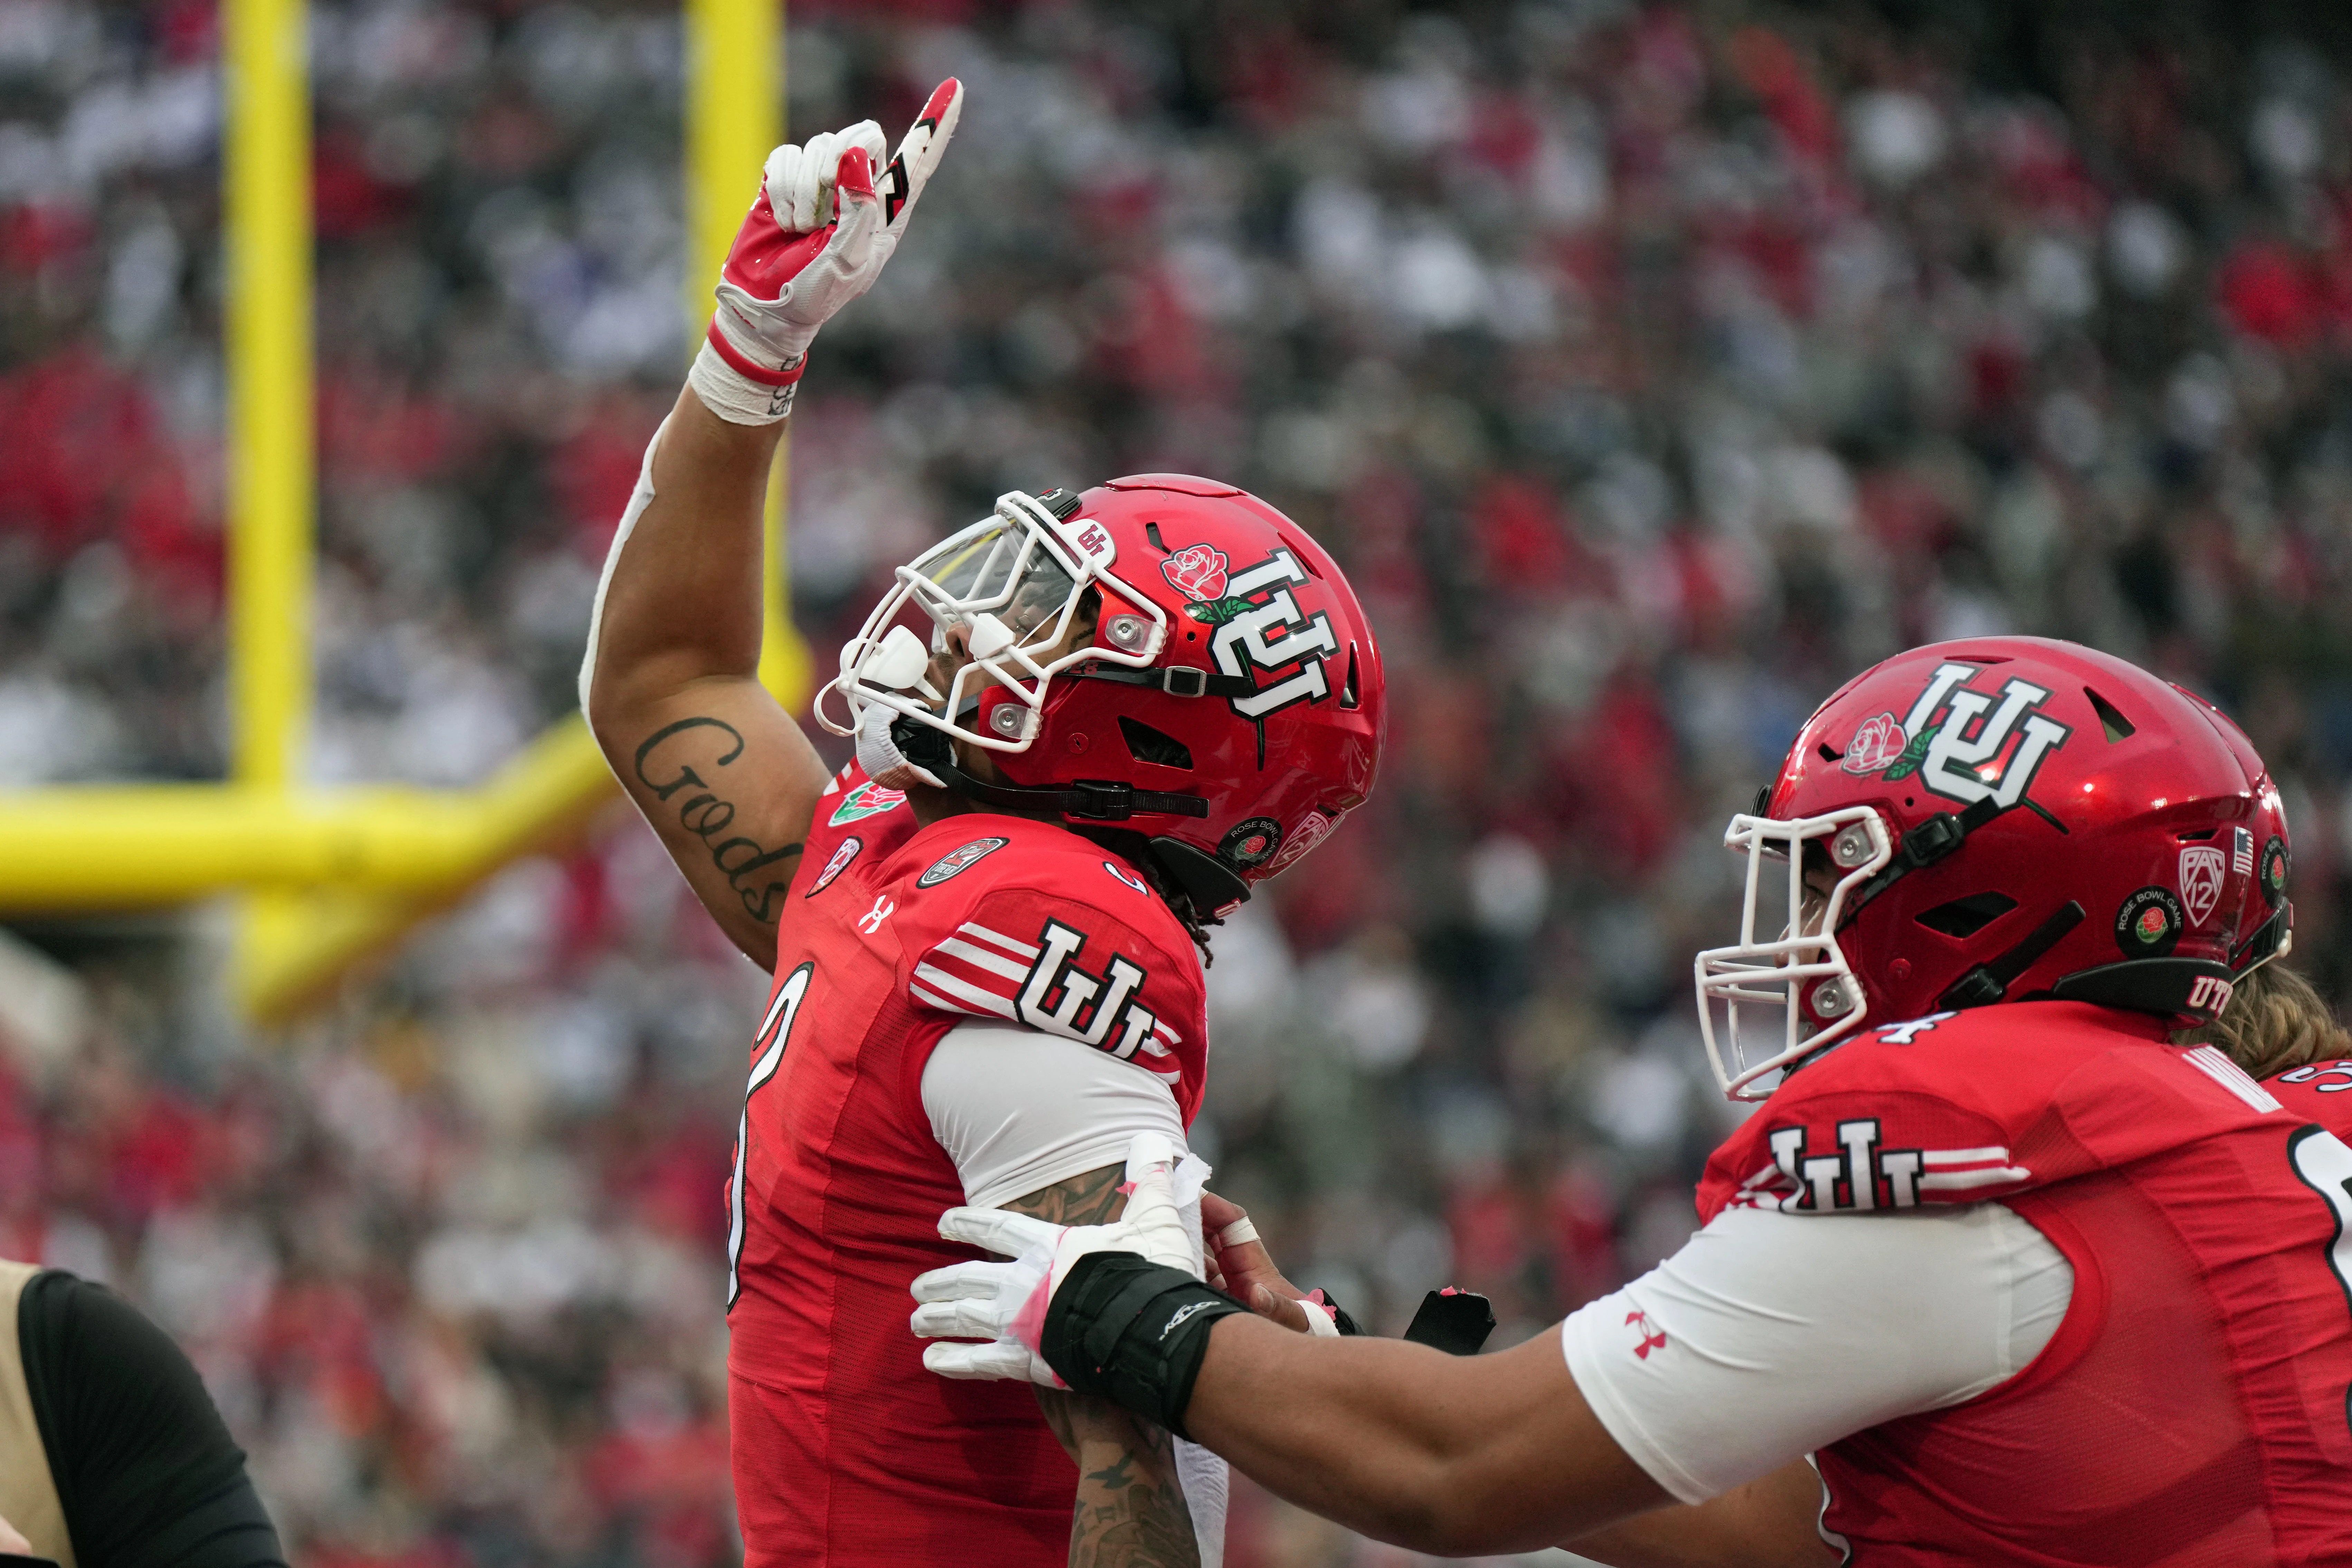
{"points": [[1770, 1335], [1018, 1110]]}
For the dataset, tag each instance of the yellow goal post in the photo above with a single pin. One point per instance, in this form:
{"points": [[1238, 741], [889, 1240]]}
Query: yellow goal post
{"points": [[331, 876]]}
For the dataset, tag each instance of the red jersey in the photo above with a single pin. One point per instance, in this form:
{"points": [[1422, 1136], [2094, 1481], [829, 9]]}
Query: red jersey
{"points": [[2191, 1409], [847, 1450]]}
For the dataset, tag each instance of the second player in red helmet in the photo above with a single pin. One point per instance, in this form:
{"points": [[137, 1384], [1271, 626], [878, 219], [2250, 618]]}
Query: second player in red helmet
{"points": [[2016, 1262], [1979, 822]]}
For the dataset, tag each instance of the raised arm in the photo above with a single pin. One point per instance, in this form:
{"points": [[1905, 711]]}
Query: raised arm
{"points": [[669, 683], [718, 768]]}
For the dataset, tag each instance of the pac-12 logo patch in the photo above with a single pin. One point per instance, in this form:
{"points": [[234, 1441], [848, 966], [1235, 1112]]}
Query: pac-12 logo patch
{"points": [[2201, 867], [1312, 828], [957, 861], [868, 799], [834, 867]]}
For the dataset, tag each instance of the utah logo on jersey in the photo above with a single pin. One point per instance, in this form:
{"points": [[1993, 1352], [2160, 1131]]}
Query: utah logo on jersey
{"points": [[1958, 743], [1260, 627]]}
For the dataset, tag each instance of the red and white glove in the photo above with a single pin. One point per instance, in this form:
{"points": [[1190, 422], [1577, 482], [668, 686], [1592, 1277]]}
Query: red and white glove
{"points": [[1004, 1303], [818, 235]]}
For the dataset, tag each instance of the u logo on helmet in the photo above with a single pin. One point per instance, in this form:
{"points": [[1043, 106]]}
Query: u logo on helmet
{"points": [[1959, 743], [1260, 627]]}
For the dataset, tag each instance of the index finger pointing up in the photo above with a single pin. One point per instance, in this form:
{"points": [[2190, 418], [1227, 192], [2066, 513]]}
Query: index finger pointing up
{"points": [[920, 152]]}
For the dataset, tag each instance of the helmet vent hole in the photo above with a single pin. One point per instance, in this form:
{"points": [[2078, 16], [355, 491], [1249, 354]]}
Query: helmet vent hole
{"points": [[1152, 532], [1831, 753], [2111, 719], [1158, 747], [1966, 917], [1349, 697]]}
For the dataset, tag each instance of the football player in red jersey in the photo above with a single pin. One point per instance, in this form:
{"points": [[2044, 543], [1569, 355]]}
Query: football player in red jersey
{"points": [[1086, 726], [2011, 1256]]}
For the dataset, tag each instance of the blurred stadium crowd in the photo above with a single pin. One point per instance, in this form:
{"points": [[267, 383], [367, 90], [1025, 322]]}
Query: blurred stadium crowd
{"points": [[1649, 368]]}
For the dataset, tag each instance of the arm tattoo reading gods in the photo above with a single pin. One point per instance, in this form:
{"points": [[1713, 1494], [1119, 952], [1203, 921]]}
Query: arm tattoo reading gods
{"points": [[1131, 1510], [703, 814]]}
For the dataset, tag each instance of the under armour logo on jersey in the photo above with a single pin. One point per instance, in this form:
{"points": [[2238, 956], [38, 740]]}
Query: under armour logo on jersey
{"points": [[1653, 1337], [1958, 743], [871, 921]]}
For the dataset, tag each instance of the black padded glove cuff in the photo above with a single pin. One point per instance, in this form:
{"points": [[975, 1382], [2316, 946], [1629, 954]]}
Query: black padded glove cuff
{"points": [[1133, 1332]]}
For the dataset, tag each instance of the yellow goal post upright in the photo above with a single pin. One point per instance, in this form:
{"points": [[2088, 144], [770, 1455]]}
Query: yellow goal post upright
{"points": [[333, 876]]}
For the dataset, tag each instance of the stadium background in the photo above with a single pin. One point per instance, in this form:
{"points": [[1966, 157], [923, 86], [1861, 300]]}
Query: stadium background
{"points": [[1650, 368]]}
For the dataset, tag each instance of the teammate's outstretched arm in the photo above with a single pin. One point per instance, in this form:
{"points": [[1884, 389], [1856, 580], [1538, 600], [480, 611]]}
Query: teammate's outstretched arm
{"points": [[1449, 1455], [669, 683]]}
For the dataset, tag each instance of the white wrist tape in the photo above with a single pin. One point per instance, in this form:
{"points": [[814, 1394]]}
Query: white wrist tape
{"points": [[735, 397]]}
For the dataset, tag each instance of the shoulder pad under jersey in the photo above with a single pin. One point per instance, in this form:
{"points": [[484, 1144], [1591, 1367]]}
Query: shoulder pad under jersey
{"points": [[1030, 924], [1963, 1107]]}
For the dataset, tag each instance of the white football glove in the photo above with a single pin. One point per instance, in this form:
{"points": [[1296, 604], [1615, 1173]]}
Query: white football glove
{"points": [[1005, 1302], [819, 233]]}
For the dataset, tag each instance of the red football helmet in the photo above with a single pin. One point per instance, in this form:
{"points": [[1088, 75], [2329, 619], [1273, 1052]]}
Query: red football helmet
{"points": [[2000, 820], [1228, 705]]}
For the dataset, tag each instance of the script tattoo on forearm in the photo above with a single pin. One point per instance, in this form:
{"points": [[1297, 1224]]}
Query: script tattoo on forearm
{"points": [[745, 862], [1131, 1510]]}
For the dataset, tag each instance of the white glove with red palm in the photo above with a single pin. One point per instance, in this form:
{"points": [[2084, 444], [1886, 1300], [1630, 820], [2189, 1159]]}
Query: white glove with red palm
{"points": [[1005, 1303], [816, 237]]}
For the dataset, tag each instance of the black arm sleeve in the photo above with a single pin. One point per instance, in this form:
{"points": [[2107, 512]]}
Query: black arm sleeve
{"points": [[147, 1472]]}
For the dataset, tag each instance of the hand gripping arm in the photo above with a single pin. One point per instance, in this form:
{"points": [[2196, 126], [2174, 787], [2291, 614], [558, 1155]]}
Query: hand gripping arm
{"points": [[1004, 1303]]}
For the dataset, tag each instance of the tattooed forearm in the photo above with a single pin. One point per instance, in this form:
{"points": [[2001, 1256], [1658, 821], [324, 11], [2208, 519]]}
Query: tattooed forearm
{"points": [[1131, 1510], [758, 875]]}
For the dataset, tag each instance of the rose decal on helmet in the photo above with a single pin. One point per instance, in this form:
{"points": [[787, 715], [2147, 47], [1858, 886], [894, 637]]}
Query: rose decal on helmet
{"points": [[1877, 745], [1198, 571]]}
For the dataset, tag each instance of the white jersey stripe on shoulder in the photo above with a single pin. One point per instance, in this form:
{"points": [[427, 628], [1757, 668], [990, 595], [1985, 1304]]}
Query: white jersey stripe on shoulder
{"points": [[1964, 1156], [942, 1002], [1018, 949], [1165, 1076], [1967, 1180], [962, 991], [981, 958], [2218, 1066]]}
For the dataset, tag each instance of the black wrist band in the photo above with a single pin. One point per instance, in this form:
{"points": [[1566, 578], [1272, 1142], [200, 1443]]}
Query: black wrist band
{"points": [[1348, 1326], [1133, 1332]]}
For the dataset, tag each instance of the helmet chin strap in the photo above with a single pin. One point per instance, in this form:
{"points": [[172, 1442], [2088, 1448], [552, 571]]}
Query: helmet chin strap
{"points": [[1097, 800]]}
